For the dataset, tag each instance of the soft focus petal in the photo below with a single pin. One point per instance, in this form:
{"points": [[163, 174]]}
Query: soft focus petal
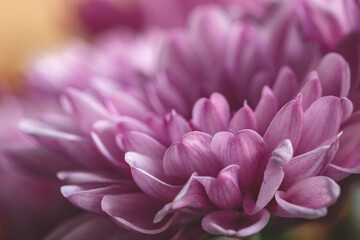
{"points": [[235, 224]]}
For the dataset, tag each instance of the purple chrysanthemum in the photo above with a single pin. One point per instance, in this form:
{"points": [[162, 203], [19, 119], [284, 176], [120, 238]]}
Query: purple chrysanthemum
{"points": [[227, 122]]}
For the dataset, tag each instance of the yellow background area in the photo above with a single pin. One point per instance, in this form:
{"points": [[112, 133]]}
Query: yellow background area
{"points": [[27, 26]]}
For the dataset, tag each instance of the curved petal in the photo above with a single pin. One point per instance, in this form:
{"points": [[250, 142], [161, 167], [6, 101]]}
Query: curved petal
{"points": [[141, 143], [136, 212], [88, 198], [211, 115], [224, 190], [235, 224], [266, 109], [334, 73], [285, 85], [244, 118], [287, 124], [311, 91], [309, 198], [245, 148], [322, 121], [103, 136], [309, 164], [191, 196], [191, 154], [273, 177], [85, 109]]}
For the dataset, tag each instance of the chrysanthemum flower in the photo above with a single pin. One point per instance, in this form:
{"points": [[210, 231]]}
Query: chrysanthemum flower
{"points": [[231, 122]]}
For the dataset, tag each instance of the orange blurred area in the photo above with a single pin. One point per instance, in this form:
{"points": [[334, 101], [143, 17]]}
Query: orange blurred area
{"points": [[27, 27]]}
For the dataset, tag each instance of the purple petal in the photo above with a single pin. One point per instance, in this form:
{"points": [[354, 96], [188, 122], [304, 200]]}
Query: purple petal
{"points": [[85, 225], [346, 160], [309, 198], [245, 149], [311, 91], [69, 145], [235, 224], [191, 154], [224, 190], [322, 121], [89, 199], [84, 108], [103, 135], [287, 124], [191, 196], [127, 104], [244, 118], [141, 143], [176, 126], [266, 109], [334, 74], [309, 164], [273, 176], [35, 161], [211, 115], [136, 212], [285, 85]]}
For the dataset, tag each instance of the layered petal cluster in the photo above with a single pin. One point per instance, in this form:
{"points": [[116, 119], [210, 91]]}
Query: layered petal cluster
{"points": [[209, 129]]}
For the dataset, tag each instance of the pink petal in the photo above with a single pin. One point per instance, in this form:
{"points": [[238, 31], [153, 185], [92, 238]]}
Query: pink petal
{"points": [[309, 198], [135, 211], [334, 74], [103, 135], [191, 154], [244, 118], [235, 224], [311, 91], [176, 126], [287, 124], [309, 164], [191, 196], [322, 121], [141, 143], [89, 199], [211, 115], [85, 225], [224, 190], [245, 149], [266, 109], [85, 109], [285, 85], [273, 177]]}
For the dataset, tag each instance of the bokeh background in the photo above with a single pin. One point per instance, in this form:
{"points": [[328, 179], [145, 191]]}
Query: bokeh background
{"points": [[30, 27]]}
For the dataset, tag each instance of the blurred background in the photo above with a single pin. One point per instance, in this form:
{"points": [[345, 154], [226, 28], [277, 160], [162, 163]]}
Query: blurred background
{"points": [[29, 27]]}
